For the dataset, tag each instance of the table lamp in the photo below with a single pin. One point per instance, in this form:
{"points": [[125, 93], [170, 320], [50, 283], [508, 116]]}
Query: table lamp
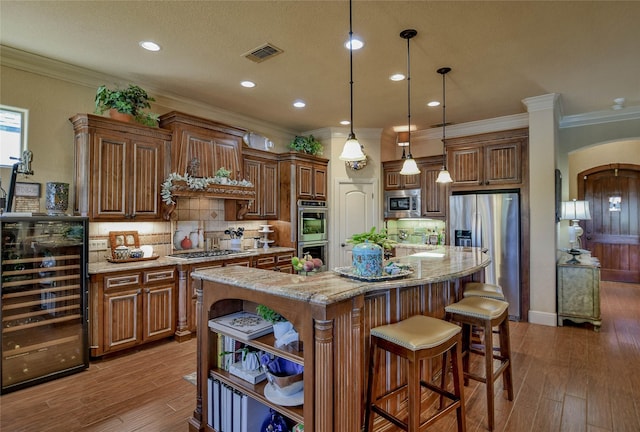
{"points": [[575, 211]]}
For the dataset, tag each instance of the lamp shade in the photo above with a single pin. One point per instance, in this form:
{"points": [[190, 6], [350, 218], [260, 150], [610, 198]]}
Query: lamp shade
{"points": [[444, 177], [575, 210], [409, 167], [352, 150], [403, 139]]}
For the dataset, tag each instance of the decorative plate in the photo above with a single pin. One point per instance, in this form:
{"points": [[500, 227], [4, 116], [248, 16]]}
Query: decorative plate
{"points": [[357, 165], [276, 397], [349, 272]]}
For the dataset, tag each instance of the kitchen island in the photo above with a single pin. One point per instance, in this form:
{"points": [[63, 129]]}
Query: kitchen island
{"points": [[333, 316]]}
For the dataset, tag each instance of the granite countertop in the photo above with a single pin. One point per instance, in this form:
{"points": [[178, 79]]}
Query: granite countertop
{"points": [[430, 266], [107, 267]]}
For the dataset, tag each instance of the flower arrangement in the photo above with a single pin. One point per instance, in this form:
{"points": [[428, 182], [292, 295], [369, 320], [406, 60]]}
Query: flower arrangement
{"points": [[195, 183]]}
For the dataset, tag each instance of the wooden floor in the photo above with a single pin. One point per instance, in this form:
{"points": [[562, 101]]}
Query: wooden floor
{"points": [[566, 379]]}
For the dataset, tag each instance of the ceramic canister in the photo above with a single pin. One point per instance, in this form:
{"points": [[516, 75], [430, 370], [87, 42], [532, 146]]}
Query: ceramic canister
{"points": [[367, 259]]}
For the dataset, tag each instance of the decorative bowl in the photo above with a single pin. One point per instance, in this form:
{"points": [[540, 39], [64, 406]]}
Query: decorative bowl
{"points": [[136, 253], [286, 384]]}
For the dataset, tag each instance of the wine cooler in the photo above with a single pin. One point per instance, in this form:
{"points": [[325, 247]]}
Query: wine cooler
{"points": [[44, 299]]}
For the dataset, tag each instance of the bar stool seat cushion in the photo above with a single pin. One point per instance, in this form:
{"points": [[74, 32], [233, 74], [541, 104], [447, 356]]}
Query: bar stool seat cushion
{"points": [[481, 289], [478, 307], [417, 332]]}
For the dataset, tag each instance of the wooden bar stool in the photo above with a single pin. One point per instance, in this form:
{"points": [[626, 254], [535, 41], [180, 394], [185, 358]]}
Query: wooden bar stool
{"points": [[415, 339], [481, 289], [485, 313]]}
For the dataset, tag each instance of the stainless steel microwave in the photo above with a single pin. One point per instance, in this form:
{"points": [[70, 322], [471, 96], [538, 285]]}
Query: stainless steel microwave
{"points": [[402, 204]]}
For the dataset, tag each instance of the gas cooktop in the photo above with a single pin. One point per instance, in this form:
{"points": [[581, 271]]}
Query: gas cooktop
{"points": [[207, 254]]}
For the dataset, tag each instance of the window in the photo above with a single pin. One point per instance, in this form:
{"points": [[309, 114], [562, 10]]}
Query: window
{"points": [[13, 134]]}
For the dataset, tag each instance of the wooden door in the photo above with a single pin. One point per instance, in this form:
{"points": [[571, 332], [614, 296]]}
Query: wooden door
{"points": [[613, 233], [144, 184], [110, 176], [158, 312], [121, 319]]}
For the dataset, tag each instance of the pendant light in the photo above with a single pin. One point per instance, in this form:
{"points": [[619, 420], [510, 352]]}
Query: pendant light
{"points": [[409, 167], [352, 150], [443, 175]]}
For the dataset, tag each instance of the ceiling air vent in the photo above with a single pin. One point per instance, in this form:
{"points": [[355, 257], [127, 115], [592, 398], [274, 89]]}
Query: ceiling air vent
{"points": [[263, 52]]}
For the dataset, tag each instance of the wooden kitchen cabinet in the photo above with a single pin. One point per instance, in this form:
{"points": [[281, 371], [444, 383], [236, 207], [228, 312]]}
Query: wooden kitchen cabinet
{"points": [[494, 159], [579, 292], [434, 195], [200, 146], [279, 261], [393, 180], [312, 181], [119, 169], [302, 177], [130, 308], [261, 169]]}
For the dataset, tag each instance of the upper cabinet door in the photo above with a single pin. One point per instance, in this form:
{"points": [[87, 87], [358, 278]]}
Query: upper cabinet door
{"points": [[119, 169]]}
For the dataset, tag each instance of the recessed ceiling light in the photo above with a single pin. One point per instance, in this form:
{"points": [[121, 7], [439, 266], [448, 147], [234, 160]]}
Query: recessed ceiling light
{"points": [[149, 45], [299, 104], [355, 42], [248, 84], [345, 122], [397, 77], [433, 103]]}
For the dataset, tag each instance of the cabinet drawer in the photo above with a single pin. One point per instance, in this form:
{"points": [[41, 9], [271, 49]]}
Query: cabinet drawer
{"points": [[122, 281], [285, 259], [159, 275], [266, 261]]}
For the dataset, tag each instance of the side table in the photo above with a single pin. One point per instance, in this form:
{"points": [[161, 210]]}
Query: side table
{"points": [[579, 292]]}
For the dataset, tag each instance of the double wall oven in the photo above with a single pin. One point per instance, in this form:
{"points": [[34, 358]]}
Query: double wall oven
{"points": [[313, 231]]}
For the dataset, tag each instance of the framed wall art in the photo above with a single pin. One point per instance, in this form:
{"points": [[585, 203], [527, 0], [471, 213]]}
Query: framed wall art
{"points": [[31, 190]]}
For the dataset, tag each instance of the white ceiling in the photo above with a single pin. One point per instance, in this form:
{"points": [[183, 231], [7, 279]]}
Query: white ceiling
{"points": [[500, 53]]}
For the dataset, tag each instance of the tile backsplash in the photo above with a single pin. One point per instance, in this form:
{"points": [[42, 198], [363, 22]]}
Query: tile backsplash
{"points": [[190, 215]]}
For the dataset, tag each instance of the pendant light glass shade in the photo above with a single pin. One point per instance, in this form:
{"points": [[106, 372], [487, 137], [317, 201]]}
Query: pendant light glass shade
{"points": [[352, 150], [409, 167], [443, 175]]}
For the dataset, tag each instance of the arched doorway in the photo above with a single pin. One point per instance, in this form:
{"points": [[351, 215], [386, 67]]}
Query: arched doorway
{"points": [[613, 233]]}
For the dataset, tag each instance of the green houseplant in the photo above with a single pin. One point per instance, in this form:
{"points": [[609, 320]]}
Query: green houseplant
{"points": [[380, 238], [132, 100], [306, 144]]}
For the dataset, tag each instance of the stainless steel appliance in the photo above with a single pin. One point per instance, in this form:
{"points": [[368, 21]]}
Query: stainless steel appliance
{"points": [[402, 203], [312, 221], [317, 249], [211, 253], [491, 221], [44, 310]]}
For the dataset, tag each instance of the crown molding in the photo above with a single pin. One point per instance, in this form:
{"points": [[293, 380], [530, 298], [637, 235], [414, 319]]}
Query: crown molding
{"points": [[33, 63], [599, 117], [515, 121]]}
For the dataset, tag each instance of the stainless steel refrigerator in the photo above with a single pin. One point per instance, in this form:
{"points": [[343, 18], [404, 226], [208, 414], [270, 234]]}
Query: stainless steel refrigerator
{"points": [[491, 221]]}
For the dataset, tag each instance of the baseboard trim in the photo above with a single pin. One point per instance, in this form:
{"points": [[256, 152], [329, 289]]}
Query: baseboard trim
{"points": [[543, 318]]}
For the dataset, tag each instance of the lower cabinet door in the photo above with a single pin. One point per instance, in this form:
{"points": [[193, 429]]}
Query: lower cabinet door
{"points": [[121, 319], [158, 312]]}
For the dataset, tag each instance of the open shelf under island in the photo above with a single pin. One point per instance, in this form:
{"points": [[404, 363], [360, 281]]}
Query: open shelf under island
{"points": [[333, 316]]}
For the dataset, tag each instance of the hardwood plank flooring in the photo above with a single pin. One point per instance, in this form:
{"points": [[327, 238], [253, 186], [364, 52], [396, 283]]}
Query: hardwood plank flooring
{"points": [[566, 379]]}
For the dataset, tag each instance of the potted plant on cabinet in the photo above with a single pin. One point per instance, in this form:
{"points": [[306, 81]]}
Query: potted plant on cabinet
{"points": [[130, 102], [306, 144]]}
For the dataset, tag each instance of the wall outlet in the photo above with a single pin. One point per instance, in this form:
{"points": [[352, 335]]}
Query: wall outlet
{"points": [[97, 245]]}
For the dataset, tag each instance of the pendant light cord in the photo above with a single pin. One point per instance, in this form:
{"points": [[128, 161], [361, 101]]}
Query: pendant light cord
{"points": [[444, 71], [409, 95], [352, 135]]}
